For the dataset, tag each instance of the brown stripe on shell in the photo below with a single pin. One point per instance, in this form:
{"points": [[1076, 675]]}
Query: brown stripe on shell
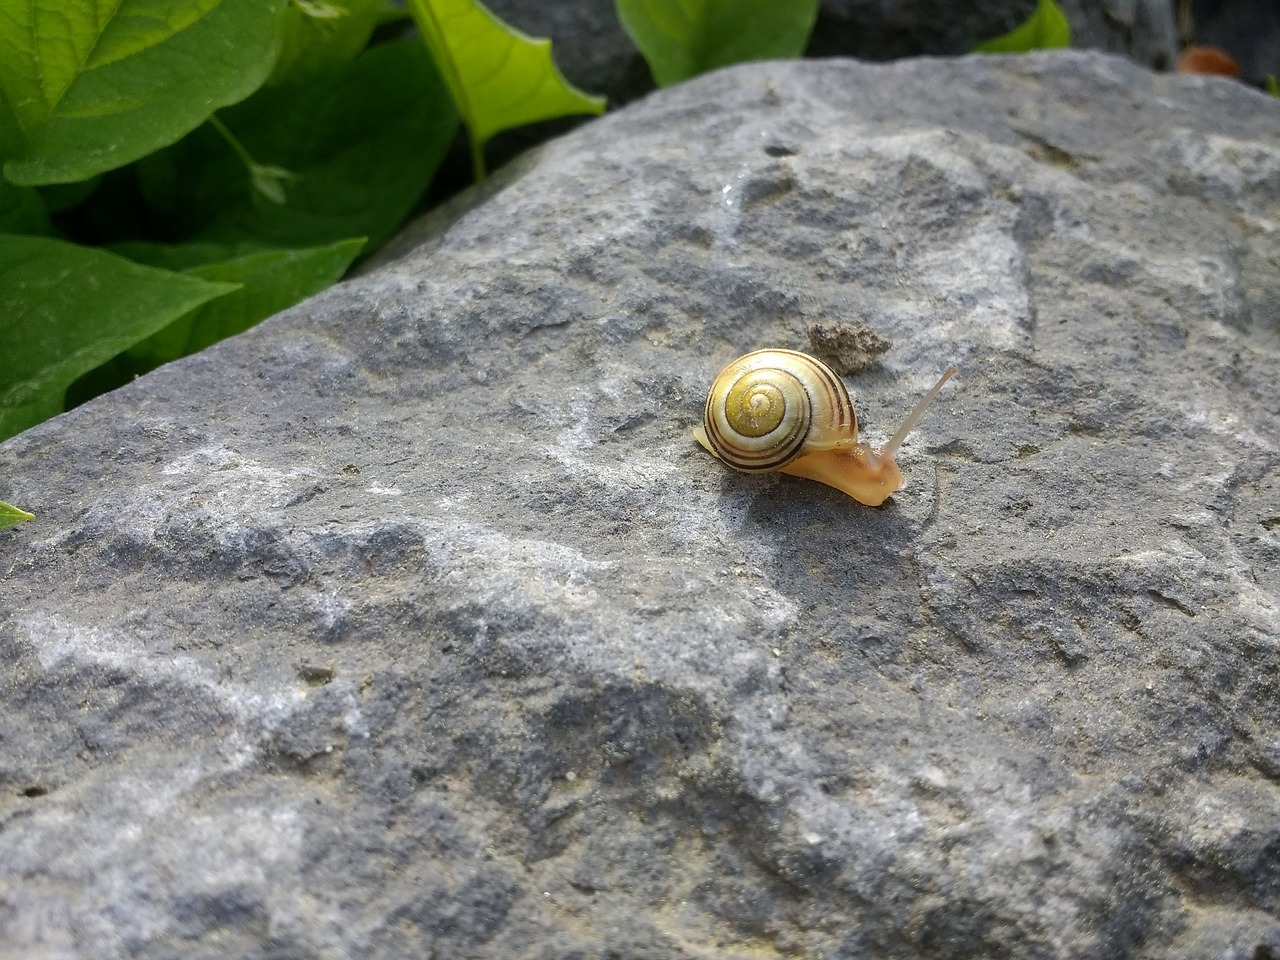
{"points": [[837, 396], [727, 445], [747, 461]]}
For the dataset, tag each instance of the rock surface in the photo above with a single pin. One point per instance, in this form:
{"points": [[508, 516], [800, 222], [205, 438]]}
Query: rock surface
{"points": [[413, 622]]}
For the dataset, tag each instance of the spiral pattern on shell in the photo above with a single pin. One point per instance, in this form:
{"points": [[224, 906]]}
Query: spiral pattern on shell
{"points": [[767, 408]]}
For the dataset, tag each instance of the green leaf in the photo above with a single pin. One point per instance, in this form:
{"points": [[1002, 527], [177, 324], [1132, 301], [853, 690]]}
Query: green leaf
{"points": [[320, 34], [1046, 29], [359, 146], [682, 38], [22, 210], [90, 85], [11, 516], [65, 309], [268, 281], [498, 77], [1273, 85], [390, 15]]}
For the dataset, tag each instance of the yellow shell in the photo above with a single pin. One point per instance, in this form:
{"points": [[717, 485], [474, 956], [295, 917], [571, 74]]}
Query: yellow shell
{"points": [[787, 411]]}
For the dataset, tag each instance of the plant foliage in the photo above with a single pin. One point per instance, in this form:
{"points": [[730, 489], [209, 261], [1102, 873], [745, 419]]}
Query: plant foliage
{"points": [[499, 78], [91, 85], [175, 171], [683, 38], [148, 209], [69, 308], [1046, 29], [11, 515]]}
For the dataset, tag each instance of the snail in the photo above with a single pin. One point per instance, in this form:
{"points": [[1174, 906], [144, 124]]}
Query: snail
{"points": [[787, 411]]}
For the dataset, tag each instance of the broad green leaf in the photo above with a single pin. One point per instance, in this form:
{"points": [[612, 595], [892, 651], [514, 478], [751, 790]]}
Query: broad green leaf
{"points": [[90, 85], [360, 145], [22, 210], [1273, 85], [682, 38], [51, 46], [1046, 29], [11, 515], [269, 281], [322, 33], [65, 309], [498, 77]]}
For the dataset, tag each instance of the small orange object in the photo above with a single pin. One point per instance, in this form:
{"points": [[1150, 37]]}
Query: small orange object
{"points": [[1198, 58]]}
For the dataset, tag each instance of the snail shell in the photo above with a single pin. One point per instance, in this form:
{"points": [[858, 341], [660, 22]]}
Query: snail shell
{"points": [[786, 411]]}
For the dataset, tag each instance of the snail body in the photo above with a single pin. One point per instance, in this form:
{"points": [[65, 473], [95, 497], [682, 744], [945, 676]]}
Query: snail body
{"points": [[787, 411]]}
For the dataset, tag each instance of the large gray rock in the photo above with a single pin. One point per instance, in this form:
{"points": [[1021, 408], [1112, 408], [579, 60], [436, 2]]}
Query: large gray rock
{"points": [[413, 622]]}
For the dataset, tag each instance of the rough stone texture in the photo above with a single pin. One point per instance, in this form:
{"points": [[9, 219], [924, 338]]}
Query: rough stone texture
{"points": [[414, 623]]}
